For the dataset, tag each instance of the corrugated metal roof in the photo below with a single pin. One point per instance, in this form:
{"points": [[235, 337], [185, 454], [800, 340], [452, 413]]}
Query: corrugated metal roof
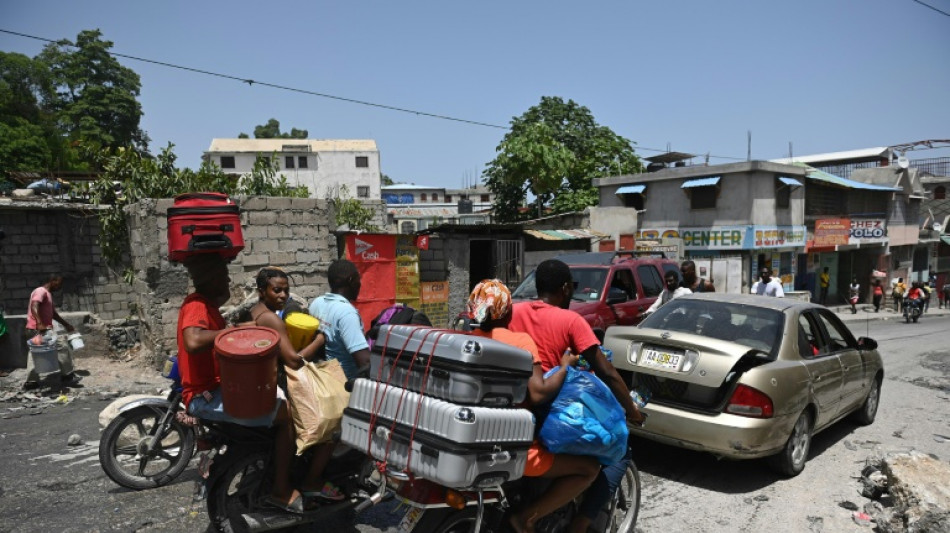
{"points": [[863, 153], [282, 145], [701, 182], [790, 181], [631, 189], [565, 234], [820, 175]]}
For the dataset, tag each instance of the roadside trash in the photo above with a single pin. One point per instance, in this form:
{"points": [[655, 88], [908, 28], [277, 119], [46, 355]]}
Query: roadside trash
{"points": [[63, 399], [861, 519], [74, 440]]}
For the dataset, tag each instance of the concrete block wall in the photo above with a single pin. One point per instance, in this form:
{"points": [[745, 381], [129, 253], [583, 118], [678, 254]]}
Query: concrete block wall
{"points": [[44, 238], [295, 234]]}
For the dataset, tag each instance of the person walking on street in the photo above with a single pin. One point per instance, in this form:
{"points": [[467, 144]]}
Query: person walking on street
{"points": [[878, 294], [39, 319], [824, 281], [926, 290], [767, 285], [339, 319], [853, 290], [672, 290], [900, 289], [946, 294], [693, 283]]}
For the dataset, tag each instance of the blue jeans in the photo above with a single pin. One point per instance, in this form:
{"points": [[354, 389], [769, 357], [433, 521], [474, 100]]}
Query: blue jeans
{"points": [[604, 486], [214, 411]]}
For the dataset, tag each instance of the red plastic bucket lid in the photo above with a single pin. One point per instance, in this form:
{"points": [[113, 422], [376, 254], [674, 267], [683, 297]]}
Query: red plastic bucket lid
{"points": [[247, 343]]}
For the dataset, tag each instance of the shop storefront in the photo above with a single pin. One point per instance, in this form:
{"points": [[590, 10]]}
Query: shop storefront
{"points": [[732, 255], [850, 249]]}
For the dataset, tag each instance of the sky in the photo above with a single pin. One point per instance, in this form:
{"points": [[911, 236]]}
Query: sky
{"points": [[810, 76]]}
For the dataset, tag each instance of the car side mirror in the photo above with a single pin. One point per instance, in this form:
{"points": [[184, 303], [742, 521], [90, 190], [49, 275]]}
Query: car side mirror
{"points": [[616, 295], [867, 343]]}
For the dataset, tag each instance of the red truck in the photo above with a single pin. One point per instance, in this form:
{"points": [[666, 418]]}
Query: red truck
{"points": [[610, 287]]}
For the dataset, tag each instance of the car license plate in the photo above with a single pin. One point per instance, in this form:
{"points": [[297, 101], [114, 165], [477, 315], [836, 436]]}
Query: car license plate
{"points": [[410, 519], [661, 359]]}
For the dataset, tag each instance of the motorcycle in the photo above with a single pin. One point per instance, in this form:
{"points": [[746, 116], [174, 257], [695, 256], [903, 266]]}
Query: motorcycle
{"points": [[913, 308], [150, 442], [437, 509]]}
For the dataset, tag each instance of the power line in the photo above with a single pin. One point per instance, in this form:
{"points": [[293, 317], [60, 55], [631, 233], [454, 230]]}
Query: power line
{"points": [[252, 82], [275, 85], [932, 7]]}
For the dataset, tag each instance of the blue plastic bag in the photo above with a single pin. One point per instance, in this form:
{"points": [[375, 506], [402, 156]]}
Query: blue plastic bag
{"points": [[585, 419]]}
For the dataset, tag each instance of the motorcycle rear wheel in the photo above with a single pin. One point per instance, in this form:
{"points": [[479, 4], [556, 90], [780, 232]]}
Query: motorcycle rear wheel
{"points": [[625, 506], [123, 454], [245, 483]]}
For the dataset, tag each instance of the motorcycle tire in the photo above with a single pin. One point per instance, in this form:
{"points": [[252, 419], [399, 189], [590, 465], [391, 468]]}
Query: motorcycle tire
{"points": [[245, 483], [625, 506], [126, 437], [447, 520]]}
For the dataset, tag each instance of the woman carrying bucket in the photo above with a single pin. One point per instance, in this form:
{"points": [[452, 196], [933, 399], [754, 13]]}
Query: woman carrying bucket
{"points": [[296, 342]]}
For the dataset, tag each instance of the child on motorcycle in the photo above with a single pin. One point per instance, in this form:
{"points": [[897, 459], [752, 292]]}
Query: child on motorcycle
{"points": [[199, 322], [490, 306]]}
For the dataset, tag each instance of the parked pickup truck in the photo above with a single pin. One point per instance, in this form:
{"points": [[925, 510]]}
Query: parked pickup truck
{"points": [[609, 287]]}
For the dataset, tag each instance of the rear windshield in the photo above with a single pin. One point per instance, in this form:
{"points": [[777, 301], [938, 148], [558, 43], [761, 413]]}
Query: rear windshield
{"points": [[752, 326], [588, 284]]}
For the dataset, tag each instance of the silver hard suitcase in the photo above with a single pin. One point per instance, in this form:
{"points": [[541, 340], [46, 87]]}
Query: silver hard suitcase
{"points": [[454, 445], [451, 365]]}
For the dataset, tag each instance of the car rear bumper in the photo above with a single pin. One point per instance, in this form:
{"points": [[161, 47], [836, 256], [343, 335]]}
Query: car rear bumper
{"points": [[725, 435]]}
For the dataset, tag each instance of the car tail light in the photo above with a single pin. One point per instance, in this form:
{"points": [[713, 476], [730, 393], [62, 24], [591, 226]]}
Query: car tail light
{"points": [[746, 401]]}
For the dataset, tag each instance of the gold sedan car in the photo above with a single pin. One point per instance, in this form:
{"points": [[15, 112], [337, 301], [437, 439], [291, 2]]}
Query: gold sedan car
{"points": [[745, 376]]}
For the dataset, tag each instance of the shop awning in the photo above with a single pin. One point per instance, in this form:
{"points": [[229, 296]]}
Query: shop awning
{"points": [[564, 234], [702, 182], [631, 189], [791, 182], [820, 175]]}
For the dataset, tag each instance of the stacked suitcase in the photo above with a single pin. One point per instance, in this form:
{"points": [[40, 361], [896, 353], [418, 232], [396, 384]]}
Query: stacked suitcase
{"points": [[204, 222], [443, 406]]}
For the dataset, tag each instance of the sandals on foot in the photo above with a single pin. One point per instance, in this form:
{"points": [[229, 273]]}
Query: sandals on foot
{"points": [[295, 507], [329, 492]]}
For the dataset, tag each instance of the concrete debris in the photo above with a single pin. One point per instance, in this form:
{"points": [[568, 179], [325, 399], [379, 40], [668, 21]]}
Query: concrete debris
{"points": [[851, 506], [916, 490], [74, 440]]}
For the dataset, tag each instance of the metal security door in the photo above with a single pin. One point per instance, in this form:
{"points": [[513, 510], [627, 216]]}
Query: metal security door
{"points": [[509, 261]]}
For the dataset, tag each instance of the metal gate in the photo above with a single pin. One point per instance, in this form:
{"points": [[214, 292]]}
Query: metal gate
{"points": [[509, 261]]}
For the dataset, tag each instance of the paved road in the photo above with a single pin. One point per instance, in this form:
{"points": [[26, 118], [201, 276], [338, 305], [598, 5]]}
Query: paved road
{"points": [[46, 485]]}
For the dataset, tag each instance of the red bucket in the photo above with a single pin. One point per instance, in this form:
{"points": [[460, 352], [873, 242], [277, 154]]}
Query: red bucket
{"points": [[247, 360]]}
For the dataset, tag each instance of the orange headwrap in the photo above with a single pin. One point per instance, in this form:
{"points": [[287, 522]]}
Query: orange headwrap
{"points": [[490, 300]]}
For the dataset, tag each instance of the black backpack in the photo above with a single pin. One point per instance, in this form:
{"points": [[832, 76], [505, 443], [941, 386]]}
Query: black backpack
{"points": [[396, 314]]}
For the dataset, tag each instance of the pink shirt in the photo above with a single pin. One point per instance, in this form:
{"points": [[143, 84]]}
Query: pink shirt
{"points": [[553, 329], [45, 299]]}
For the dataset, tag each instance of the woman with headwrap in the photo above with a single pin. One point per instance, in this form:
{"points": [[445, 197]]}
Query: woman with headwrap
{"points": [[489, 306]]}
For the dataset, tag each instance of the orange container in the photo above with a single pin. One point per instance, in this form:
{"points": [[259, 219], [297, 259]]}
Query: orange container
{"points": [[247, 360]]}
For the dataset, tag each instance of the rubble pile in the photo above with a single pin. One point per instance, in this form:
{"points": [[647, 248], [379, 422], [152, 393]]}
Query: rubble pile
{"points": [[912, 492]]}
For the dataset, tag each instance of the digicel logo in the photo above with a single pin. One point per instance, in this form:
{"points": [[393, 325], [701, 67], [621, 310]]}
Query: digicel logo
{"points": [[361, 246]]}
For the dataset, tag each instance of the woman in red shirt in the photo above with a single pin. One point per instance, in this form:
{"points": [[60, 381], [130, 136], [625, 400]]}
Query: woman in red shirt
{"points": [[878, 294]]}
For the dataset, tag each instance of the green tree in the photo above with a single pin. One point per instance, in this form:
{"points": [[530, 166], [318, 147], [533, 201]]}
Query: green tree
{"points": [[385, 180], [29, 139], [554, 150], [351, 212], [271, 130], [94, 97]]}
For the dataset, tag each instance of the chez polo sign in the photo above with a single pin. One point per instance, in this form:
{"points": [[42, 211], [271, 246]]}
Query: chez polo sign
{"points": [[730, 237]]}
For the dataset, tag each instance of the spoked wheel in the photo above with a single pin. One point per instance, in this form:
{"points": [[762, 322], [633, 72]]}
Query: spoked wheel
{"points": [[239, 491], [626, 503], [124, 449]]}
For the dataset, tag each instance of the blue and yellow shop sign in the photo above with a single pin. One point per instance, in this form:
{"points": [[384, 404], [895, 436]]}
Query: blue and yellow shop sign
{"points": [[746, 237]]}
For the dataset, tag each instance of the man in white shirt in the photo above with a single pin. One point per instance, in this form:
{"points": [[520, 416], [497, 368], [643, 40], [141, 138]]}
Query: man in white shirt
{"points": [[767, 286], [672, 290]]}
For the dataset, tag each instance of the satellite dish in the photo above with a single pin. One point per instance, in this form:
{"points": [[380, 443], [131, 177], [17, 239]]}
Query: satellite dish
{"points": [[903, 162]]}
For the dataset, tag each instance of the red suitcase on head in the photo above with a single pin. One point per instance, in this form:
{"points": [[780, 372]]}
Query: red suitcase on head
{"points": [[204, 222]]}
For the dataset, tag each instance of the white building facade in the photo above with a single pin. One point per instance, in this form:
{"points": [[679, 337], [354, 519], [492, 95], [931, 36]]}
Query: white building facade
{"points": [[414, 208], [323, 166]]}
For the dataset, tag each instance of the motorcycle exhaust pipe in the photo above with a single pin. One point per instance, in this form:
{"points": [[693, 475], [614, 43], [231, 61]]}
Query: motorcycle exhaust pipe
{"points": [[374, 498]]}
